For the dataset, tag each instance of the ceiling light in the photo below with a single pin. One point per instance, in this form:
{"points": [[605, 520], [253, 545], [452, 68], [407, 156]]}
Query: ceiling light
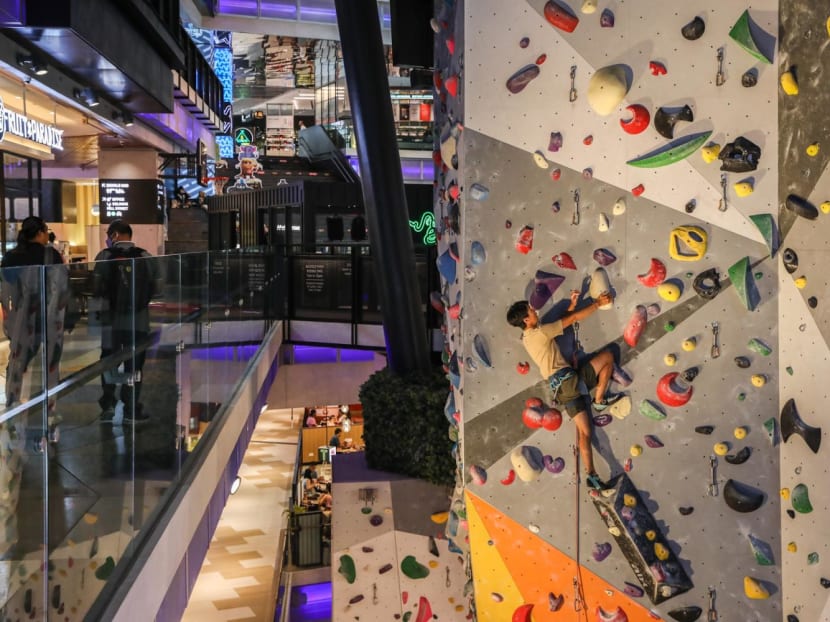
{"points": [[87, 96], [123, 117], [29, 62]]}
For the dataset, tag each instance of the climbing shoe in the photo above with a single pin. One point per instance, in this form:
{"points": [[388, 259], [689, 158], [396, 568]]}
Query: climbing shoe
{"points": [[595, 482], [607, 401]]}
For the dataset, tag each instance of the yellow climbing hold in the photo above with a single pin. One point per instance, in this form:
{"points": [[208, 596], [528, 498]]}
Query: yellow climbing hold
{"points": [[812, 150], [629, 500], [785, 493], [828, 26], [788, 83], [670, 359], [759, 380], [661, 551], [801, 282], [792, 547], [651, 534], [614, 531], [689, 344], [710, 153], [721, 449], [439, 518], [589, 6], [754, 589], [743, 188], [668, 291], [636, 450], [740, 433], [825, 207], [433, 563]]}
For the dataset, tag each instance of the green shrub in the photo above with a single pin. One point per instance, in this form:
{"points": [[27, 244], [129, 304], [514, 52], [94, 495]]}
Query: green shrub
{"points": [[404, 426]]}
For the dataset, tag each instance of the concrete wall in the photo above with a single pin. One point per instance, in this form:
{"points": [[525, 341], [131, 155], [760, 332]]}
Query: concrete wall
{"points": [[530, 540]]}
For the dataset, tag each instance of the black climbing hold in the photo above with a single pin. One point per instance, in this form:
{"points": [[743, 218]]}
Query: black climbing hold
{"points": [[792, 618], [791, 513], [742, 497], [740, 457], [740, 156], [685, 510], [801, 207], [792, 423], [694, 29], [453, 216], [742, 362], [690, 374], [686, 614], [707, 284], [790, 260], [666, 118], [812, 301], [825, 583], [705, 429], [690, 206], [750, 78]]}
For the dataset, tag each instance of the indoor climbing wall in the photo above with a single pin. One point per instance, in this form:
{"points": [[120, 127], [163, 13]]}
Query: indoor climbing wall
{"points": [[675, 157], [390, 559]]}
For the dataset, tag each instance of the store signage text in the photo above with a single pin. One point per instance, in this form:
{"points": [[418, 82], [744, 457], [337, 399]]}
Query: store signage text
{"points": [[23, 127]]}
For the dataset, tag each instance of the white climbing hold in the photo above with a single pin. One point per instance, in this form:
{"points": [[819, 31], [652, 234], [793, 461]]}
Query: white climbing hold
{"points": [[603, 223], [540, 160], [619, 207]]}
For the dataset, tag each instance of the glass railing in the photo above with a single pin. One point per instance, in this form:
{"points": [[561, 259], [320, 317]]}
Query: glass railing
{"points": [[113, 371]]}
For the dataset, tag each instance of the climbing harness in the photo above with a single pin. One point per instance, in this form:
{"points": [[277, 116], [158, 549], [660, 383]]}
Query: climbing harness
{"points": [[558, 377]]}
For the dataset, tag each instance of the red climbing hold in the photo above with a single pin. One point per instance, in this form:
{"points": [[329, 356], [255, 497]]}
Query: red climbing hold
{"points": [[551, 419], [564, 261], [560, 17], [671, 393], [524, 242], [656, 274], [522, 613], [509, 478], [555, 174], [424, 610], [636, 325], [588, 140], [657, 68], [541, 59], [638, 190], [523, 367]]}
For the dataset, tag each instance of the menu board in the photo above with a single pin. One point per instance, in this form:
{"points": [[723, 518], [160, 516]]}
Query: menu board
{"points": [[138, 201]]}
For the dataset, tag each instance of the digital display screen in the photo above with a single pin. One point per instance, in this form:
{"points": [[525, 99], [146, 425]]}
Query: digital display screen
{"points": [[138, 201]]}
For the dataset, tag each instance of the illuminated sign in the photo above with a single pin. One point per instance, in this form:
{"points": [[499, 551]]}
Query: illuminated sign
{"points": [[425, 225], [243, 136], [23, 127], [139, 201]]}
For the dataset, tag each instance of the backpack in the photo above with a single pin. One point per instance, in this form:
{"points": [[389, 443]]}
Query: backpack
{"points": [[128, 293]]}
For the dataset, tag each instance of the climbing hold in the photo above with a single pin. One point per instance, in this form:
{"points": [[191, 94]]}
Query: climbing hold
{"points": [[812, 558], [812, 302], [791, 423], [653, 442], [638, 190], [481, 350], [721, 449], [602, 223], [640, 118], [825, 207], [801, 499], [600, 285], [688, 243], [469, 274], [555, 142], [788, 83], [554, 465], [600, 550], [347, 568], [479, 192], [743, 188], [670, 359], [551, 419], [759, 380], [657, 68], [661, 551], [789, 370], [739, 156], [606, 19], [766, 225], [762, 551], [588, 140], [740, 457], [686, 614], [413, 569], [555, 602], [607, 88], [669, 291], [629, 500], [541, 59], [508, 224], [524, 76], [690, 374], [741, 497], [739, 433], [540, 160], [792, 547], [555, 207], [677, 150], [651, 410], [635, 450], [589, 6], [756, 345], [742, 34], [801, 207], [524, 42], [545, 285], [446, 266], [564, 261], [523, 367], [619, 207], [705, 429], [694, 29], [477, 253], [754, 589], [524, 241], [635, 591], [636, 325], [560, 17], [620, 376], [528, 462], [749, 78], [790, 260], [478, 475], [621, 408], [618, 615], [741, 277], [376, 520], [825, 583], [710, 152], [602, 420], [628, 465], [509, 478], [707, 284], [532, 417], [439, 518], [689, 344], [671, 393], [812, 150], [685, 510], [666, 118], [604, 257], [656, 274], [522, 613], [555, 174]]}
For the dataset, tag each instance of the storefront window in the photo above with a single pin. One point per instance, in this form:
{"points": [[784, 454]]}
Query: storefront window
{"points": [[21, 190]]}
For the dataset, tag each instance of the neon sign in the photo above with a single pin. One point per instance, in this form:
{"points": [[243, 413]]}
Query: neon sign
{"points": [[427, 225], [23, 127]]}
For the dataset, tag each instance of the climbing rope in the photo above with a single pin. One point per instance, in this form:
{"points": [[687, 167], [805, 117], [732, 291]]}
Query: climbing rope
{"points": [[579, 595]]}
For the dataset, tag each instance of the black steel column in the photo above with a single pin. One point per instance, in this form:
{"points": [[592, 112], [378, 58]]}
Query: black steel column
{"points": [[383, 193]]}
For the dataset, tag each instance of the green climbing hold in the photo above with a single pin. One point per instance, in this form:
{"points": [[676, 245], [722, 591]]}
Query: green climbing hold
{"points": [[739, 274], [766, 225], [769, 426], [789, 370], [756, 345], [651, 410], [407, 616], [759, 276], [801, 499], [675, 151], [669, 326], [741, 396], [104, 571], [741, 34], [347, 568], [812, 558], [412, 569], [762, 551]]}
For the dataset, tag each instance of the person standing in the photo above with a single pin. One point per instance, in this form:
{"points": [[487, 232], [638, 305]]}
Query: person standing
{"points": [[24, 301], [126, 277], [334, 441]]}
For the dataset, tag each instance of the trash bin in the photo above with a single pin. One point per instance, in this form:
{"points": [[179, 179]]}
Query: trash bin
{"points": [[323, 453]]}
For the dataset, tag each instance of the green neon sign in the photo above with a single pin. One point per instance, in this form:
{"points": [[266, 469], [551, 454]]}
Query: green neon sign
{"points": [[427, 225]]}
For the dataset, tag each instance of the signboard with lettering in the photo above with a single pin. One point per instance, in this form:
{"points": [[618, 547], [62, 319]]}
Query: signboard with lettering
{"points": [[20, 125], [138, 201]]}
